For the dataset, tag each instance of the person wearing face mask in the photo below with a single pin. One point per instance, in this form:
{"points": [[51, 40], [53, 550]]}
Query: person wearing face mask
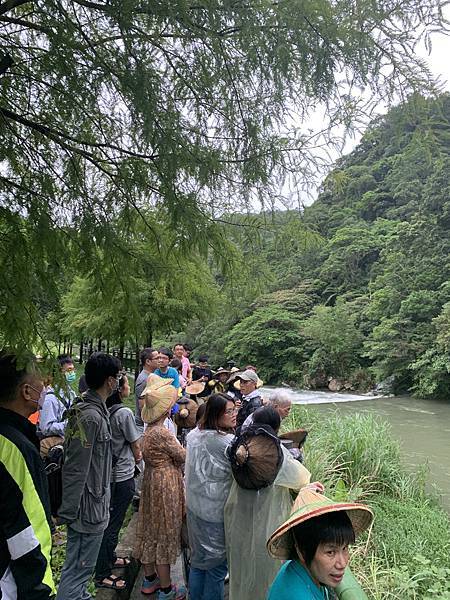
{"points": [[56, 401], [86, 476], [25, 539]]}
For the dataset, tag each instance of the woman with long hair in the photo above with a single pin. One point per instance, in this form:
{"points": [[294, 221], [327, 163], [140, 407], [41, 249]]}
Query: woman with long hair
{"points": [[208, 481]]}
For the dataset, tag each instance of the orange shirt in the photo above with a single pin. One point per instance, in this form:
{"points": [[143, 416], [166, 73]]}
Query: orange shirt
{"points": [[34, 418]]}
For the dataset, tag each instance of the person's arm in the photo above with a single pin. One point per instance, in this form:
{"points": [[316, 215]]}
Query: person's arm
{"points": [[130, 432], [27, 533], [136, 450], [75, 470], [50, 422], [175, 449], [292, 474]]}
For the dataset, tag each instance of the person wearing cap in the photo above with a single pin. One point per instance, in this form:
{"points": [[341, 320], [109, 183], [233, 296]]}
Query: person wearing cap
{"points": [[259, 500], [251, 398], [218, 385], [315, 541], [162, 506]]}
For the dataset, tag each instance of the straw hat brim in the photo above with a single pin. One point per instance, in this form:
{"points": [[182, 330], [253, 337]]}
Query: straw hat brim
{"points": [[298, 436], [156, 404], [195, 388], [281, 544]]}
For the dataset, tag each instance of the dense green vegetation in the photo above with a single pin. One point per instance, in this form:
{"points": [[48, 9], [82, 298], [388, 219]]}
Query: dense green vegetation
{"points": [[405, 556], [130, 129], [358, 286]]}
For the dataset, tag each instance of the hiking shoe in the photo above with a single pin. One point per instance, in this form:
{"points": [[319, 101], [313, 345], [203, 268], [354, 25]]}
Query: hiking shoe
{"points": [[176, 593], [150, 587]]}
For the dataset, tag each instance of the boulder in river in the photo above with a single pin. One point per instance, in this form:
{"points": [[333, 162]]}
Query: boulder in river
{"points": [[336, 385]]}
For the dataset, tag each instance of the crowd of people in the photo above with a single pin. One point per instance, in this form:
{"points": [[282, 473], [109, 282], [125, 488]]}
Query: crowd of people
{"points": [[201, 451]]}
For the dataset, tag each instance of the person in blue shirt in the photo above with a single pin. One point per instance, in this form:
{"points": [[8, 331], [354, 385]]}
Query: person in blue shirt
{"points": [[164, 357], [57, 401], [315, 541]]}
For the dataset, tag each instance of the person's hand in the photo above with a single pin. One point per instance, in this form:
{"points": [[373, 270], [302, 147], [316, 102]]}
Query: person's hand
{"points": [[316, 486], [238, 404]]}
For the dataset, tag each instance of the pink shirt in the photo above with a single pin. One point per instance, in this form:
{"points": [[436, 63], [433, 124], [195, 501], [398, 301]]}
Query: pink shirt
{"points": [[185, 366]]}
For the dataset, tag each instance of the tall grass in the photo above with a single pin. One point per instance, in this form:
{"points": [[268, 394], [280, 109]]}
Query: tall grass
{"points": [[356, 457]]}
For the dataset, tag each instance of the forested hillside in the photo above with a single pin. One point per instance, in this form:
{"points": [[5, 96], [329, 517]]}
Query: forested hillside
{"points": [[358, 286]]}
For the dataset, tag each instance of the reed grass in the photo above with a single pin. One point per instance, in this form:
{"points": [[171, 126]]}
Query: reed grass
{"points": [[356, 457]]}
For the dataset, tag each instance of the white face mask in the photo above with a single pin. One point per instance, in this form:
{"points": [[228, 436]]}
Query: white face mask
{"points": [[41, 393]]}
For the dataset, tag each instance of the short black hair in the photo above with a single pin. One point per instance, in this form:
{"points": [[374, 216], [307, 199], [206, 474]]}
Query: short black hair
{"points": [[99, 366], [166, 351], [267, 415], [330, 528], [187, 347], [145, 355], [115, 397], [175, 363], [65, 359], [203, 358], [12, 374]]}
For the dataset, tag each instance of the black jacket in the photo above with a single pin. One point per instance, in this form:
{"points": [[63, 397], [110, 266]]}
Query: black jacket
{"points": [[25, 538]]}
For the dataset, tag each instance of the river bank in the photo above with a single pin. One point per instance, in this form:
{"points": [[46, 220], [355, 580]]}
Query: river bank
{"points": [[421, 427], [357, 457]]}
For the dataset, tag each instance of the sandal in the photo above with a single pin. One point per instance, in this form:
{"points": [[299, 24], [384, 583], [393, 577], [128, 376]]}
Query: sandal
{"points": [[121, 562], [111, 583]]}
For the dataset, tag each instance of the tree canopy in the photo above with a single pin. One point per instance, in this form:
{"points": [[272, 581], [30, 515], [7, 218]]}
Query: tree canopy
{"points": [[111, 110], [376, 284]]}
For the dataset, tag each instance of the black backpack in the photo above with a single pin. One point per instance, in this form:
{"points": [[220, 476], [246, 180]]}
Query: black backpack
{"points": [[53, 464]]}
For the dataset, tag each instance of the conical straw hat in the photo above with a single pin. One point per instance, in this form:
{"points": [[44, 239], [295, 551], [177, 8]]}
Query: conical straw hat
{"points": [[196, 387], [159, 397], [308, 505]]}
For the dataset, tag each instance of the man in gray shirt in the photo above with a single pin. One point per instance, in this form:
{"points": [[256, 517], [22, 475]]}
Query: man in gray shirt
{"points": [[148, 365], [86, 477], [126, 454]]}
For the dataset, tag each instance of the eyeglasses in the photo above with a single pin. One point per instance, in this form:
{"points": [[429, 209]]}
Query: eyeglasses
{"points": [[231, 411]]}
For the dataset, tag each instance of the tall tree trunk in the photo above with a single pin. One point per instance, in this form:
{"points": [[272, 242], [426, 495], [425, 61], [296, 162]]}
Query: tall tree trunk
{"points": [[99, 345], [59, 346], [81, 352], [149, 339], [70, 349], [91, 342], [121, 349], [107, 346]]}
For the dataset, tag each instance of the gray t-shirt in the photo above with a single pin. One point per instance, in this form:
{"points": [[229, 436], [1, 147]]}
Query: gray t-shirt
{"points": [[124, 432], [139, 387]]}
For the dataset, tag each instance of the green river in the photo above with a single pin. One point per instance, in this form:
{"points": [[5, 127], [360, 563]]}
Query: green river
{"points": [[421, 426]]}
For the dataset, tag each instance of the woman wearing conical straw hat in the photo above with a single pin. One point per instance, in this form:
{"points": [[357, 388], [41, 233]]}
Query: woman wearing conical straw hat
{"points": [[315, 541], [162, 506]]}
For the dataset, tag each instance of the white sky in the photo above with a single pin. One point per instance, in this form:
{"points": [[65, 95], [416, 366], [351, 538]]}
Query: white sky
{"points": [[438, 59]]}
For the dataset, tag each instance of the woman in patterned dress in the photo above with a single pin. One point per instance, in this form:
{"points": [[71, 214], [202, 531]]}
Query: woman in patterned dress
{"points": [[162, 506]]}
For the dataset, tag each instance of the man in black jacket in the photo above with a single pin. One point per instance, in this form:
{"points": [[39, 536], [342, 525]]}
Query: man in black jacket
{"points": [[25, 538]]}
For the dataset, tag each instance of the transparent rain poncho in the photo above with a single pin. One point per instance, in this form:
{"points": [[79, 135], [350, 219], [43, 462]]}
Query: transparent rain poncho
{"points": [[250, 519], [208, 481]]}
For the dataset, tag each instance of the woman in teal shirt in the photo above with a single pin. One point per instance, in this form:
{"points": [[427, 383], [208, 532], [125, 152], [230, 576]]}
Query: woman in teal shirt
{"points": [[315, 542]]}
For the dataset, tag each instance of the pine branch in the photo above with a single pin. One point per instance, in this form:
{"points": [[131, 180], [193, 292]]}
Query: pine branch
{"points": [[26, 24], [10, 5]]}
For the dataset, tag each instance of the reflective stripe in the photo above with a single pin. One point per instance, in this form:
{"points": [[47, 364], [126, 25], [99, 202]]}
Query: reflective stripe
{"points": [[17, 468], [22, 543], [8, 586]]}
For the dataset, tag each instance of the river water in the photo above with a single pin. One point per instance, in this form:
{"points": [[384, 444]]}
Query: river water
{"points": [[421, 426]]}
